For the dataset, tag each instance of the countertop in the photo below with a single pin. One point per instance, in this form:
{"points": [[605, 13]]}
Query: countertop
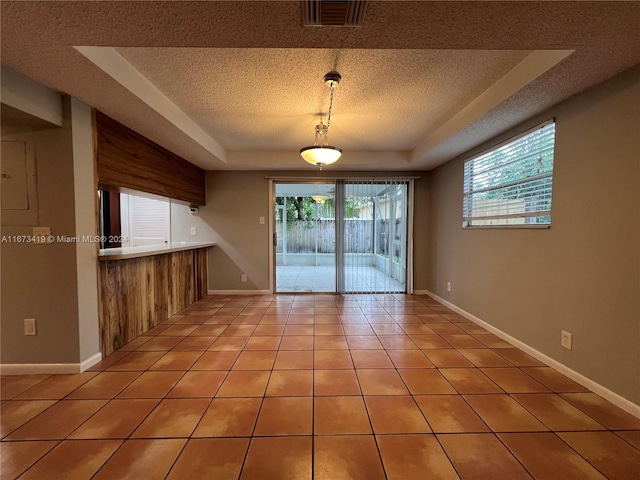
{"points": [[123, 253]]}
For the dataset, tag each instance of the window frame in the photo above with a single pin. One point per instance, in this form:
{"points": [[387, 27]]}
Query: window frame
{"points": [[467, 220], [116, 219]]}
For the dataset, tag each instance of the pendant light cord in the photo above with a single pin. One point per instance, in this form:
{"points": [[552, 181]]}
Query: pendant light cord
{"points": [[332, 87]]}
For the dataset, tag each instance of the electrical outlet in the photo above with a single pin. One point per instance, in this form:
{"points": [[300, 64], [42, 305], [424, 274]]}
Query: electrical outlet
{"points": [[448, 286], [193, 230], [30, 326], [566, 340], [243, 278]]}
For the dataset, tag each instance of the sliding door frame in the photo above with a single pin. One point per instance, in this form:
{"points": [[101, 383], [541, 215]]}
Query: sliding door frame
{"points": [[340, 196], [272, 232], [273, 182], [410, 205], [339, 182], [406, 237]]}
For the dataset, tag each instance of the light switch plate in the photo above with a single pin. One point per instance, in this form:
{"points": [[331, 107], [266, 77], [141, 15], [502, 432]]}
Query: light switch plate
{"points": [[42, 235]]}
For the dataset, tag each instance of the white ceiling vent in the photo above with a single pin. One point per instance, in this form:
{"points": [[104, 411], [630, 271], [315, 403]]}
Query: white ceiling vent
{"points": [[333, 13]]}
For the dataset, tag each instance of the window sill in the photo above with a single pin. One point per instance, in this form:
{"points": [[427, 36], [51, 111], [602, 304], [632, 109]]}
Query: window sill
{"points": [[508, 227]]}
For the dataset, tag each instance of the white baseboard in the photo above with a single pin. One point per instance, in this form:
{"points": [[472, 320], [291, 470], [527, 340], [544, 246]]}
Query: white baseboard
{"points": [[39, 368], [618, 400], [91, 361], [48, 368], [239, 292]]}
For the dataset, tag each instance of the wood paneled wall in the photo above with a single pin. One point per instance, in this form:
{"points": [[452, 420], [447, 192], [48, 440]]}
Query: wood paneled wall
{"points": [[138, 293], [127, 160]]}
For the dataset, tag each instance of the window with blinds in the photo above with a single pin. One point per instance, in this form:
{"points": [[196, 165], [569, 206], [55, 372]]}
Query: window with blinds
{"points": [[144, 220], [511, 184]]}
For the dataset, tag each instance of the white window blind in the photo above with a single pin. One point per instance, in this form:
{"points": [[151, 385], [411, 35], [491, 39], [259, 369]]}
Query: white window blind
{"points": [[511, 184], [145, 221], [374, 235]]}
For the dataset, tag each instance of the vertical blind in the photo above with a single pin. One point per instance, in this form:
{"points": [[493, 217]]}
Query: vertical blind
{"points": [[372, 235], [511, 184]]}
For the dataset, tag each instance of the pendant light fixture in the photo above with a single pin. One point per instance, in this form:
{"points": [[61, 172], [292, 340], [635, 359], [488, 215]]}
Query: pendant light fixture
{"points": [[321, 153]]}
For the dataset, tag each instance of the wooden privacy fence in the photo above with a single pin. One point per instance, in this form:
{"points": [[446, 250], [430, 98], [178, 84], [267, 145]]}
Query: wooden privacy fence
{"points": [[358, 233]]}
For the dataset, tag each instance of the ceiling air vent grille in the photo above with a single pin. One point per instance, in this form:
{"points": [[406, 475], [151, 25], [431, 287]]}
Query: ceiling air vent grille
{"points": [[333, 13]]}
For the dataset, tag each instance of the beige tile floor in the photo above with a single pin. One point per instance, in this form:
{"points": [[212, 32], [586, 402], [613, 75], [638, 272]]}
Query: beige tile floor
{"points": [[314, 386]]}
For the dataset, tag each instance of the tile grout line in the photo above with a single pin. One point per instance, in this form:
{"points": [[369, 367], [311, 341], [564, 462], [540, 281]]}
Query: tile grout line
{"points": [[423, 414], [368, 304]]}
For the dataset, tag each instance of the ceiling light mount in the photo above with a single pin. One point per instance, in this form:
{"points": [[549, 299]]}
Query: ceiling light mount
{"points": [[321, 153], [332, 79]]}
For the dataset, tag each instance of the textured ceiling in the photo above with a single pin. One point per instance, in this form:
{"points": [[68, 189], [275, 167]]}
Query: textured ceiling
{"points": [[238, 83], [270, 99]]}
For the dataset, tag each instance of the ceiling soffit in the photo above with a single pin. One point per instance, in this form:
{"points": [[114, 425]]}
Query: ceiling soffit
{"points": [[38, 40]]}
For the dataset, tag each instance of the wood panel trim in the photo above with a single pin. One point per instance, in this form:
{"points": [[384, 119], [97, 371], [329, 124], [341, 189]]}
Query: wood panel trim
{"points": [[137, 294], [128, 160]]}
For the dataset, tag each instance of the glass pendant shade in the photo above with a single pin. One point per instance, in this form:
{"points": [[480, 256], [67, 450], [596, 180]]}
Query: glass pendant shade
{"points": [[321, 155]]}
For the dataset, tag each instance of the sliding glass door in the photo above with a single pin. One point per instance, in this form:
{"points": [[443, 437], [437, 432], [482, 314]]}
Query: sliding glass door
{"points": [[347, 236], [372, 245], [305, 239]]}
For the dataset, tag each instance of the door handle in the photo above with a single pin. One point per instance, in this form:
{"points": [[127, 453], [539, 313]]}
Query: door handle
{"points": [[275, 239]]}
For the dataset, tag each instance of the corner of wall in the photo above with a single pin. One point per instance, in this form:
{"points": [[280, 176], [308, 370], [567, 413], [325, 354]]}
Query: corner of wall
{"points": [[85, 192]]}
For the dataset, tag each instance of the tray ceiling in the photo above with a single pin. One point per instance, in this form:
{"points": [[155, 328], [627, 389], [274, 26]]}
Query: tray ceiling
{"points": [[238, 85]]}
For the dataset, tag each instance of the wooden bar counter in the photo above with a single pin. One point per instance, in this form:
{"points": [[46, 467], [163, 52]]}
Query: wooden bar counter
{"points": [[143, 286]]}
